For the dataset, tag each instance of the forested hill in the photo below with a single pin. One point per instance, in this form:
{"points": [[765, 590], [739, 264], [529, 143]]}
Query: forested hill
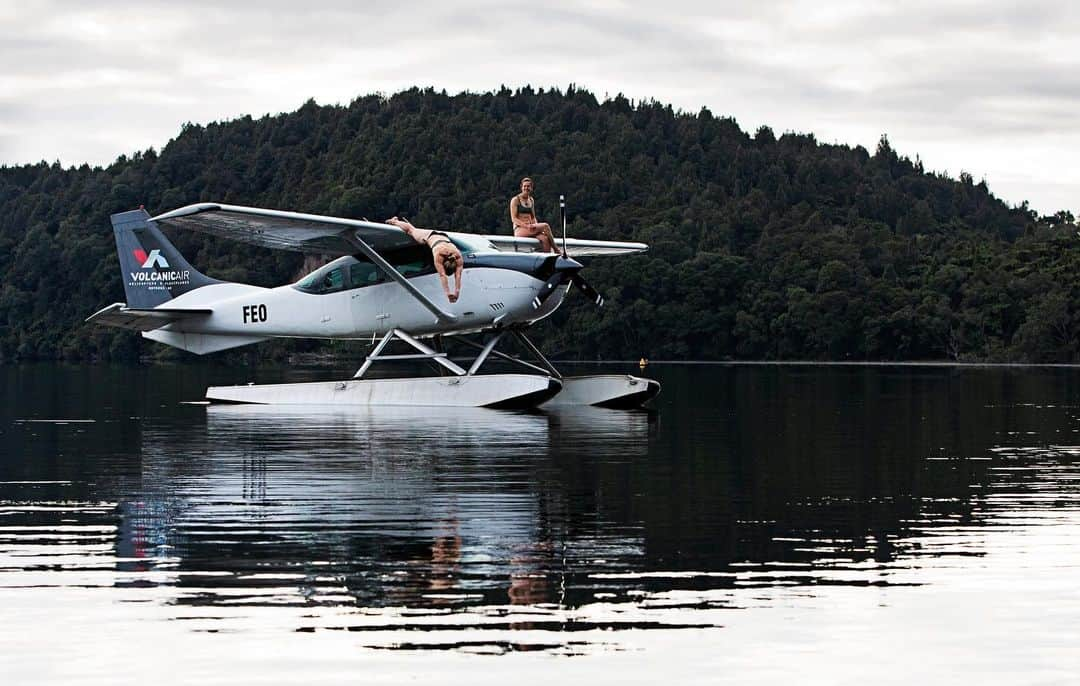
{"points": [[763, 246]]}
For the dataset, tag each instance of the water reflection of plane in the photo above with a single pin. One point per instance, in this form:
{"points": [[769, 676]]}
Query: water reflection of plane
{"points": [[597, 430], [401, 505]]}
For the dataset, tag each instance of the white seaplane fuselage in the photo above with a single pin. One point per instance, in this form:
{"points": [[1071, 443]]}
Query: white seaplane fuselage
{"points": [[337, 305]]}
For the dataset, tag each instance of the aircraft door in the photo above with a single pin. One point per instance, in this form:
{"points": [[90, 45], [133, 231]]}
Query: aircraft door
{"points": [[369, 303], [327, 283]]}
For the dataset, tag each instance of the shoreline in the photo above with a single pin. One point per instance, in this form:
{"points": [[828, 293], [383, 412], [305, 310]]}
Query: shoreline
{"points": [[322, 361], [828, 363]]}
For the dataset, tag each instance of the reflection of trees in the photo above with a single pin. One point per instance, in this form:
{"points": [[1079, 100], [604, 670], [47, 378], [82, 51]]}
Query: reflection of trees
{"points": [[793, 468], [805, 465]]}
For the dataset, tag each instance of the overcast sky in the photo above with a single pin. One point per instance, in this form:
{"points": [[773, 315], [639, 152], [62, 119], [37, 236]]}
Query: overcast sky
{"points": [[987, 87]]}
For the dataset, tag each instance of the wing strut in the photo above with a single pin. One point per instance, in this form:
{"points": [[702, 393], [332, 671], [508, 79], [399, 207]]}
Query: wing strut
{"points": [[442, 315]]}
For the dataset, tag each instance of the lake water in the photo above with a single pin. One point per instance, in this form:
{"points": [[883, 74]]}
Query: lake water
{"points": [[761, 524]]}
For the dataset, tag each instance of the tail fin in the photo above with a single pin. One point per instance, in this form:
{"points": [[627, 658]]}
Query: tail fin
{"points": [[154, 271]]}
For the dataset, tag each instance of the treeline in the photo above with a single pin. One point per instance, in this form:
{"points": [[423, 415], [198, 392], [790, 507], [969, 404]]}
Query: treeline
{"points": [[762, 247]]}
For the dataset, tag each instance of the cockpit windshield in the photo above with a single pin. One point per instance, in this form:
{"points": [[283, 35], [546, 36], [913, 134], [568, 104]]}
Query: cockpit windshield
{"points": [[328, 278]]}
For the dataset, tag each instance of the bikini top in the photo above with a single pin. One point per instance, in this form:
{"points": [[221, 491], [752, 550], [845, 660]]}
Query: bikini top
{"points": [[522, 208]]}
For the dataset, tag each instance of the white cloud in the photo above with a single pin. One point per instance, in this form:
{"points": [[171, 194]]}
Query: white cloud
{"points": [[988, 87]]}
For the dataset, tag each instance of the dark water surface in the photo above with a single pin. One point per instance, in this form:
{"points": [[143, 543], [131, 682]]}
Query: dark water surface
{"points": [[823, 524]]}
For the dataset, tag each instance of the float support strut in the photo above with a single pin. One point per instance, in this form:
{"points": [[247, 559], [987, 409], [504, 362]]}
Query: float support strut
{"points": [[426, 353]]}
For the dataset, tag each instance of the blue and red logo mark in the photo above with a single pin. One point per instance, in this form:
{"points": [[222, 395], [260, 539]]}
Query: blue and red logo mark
{"points": [[154, 259], [155, 272]]}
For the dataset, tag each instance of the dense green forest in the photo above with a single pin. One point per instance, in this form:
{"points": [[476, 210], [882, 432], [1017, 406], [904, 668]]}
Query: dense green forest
{"points": [[762, 246]]}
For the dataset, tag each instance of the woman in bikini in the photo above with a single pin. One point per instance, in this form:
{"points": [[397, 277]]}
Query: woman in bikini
{"points": [[523, 216], [447, 256]]}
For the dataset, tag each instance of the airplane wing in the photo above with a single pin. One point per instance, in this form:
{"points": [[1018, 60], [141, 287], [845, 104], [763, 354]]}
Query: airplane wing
{"points": [[141, 319], [322, 235], [307, 233], [575, 247]]}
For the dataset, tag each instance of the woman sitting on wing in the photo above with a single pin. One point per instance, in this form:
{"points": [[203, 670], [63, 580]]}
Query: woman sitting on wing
{"points": [[523, 216], [447, 256]]}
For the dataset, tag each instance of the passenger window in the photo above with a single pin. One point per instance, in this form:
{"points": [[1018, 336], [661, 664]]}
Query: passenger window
{"points": [[412, 261], [410, 268], [364, 274]]}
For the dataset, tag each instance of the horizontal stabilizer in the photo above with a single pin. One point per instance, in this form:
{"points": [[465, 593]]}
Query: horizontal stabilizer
{"points": [[575, 247], [142, 319]]}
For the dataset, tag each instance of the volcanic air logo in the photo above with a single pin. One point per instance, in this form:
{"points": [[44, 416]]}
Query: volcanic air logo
{"points": [[149, 273], [154, 259]]}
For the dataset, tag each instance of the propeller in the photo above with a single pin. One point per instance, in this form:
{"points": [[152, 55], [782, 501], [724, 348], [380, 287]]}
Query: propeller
{"points": [[570, 274], [561, 277]]}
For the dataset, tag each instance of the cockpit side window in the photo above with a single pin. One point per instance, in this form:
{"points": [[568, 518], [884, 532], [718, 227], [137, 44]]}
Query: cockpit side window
{"points": [[365, 274], [334, 280], [412, 261], [347, 273]]}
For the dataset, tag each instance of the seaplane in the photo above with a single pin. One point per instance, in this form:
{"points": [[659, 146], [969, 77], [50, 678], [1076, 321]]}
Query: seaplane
{"points": [[381, 287]]}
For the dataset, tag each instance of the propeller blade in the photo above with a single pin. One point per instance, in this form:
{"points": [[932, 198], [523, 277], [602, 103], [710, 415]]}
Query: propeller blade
{"points": [[588, 290], [561, 277], [554, 281]]}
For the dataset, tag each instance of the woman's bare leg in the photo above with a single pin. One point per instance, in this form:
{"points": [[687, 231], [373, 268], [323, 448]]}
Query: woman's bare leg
{"points": [[541, 232], [531, 232], [546, 234]]}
